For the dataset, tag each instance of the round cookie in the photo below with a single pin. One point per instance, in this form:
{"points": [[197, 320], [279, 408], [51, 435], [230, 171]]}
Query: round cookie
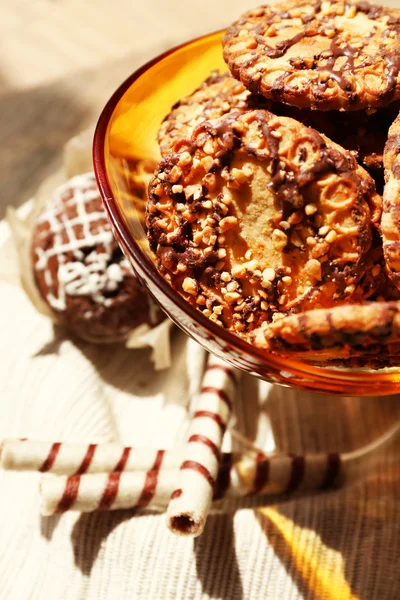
{"points": [[80, 270], [341, 332], [259, 216], [390, 225], [323, 55], [216, 96], [363, 131]]}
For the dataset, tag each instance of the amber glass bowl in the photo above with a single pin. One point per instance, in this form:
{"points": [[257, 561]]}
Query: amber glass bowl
{"points": [[125, 139]]}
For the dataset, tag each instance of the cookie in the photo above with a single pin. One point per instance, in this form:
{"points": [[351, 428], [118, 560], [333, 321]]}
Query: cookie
{"points": [[321, 55], [216, 96], [351, 331], [259, 216], [390, 225], [364, 132], [80, 270]]}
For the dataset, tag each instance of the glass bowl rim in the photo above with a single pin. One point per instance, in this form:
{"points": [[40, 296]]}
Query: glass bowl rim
{"points": [[239, 344]]}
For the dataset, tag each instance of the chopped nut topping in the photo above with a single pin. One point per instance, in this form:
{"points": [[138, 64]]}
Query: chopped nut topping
{"points": [[175, 174], [225, 276], [268, 274], [208, 147], [323, 230], [279, 239], [351, 12], [251, 265], [296, 240], [226, 198], [331, 236], [311, 242], [239, 175], [232, 296], [189, 286], [227, 223], [184, 159], [232, 286], [320, 249], [313, 268], [238, 271], [162, 223]]}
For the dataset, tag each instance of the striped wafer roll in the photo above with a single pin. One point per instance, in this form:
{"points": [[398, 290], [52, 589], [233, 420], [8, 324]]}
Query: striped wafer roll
{"points": [[192, 497], [107, 491], [76, 459], [280, 474], [270, 474], [248, 476]]}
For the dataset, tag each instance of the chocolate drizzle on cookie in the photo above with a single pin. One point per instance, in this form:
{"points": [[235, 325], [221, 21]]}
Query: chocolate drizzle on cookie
{"points": [[199, 227], [345, 71]]}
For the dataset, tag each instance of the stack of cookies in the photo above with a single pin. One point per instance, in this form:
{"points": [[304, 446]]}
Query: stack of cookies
{"points": [[266, 209]]}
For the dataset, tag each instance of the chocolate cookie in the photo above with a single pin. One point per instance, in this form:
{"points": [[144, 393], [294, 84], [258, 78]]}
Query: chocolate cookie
{"points": [[323, 55], [363, 131], [365, 331], [261, 215], [390, 225], [80, 270]]}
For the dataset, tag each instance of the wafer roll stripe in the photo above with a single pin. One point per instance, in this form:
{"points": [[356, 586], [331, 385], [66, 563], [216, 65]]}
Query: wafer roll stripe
{"points": [[246, 477]]}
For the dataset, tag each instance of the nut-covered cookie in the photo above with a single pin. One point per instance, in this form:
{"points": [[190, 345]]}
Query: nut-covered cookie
{"points": [[260, 215], [216, 96], [80, 270], [363, 131], [336, 333], [323, 55], [390, 225]]}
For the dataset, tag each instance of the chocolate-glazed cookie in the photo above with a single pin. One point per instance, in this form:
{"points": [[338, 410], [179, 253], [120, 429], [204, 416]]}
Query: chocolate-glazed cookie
{"points": [[390, 225], [323, 55], [258, 215], [351, 331], [80, 270], [363, 131]]}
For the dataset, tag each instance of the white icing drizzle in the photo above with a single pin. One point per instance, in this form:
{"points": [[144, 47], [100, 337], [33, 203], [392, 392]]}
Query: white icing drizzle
{"points": [[91, 275]]}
